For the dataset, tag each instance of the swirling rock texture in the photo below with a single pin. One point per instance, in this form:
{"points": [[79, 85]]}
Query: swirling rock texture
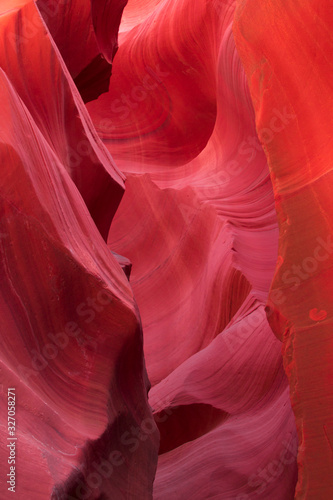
{"points": [[71, 332], [214, 259], [199, 225], [289, 70]]}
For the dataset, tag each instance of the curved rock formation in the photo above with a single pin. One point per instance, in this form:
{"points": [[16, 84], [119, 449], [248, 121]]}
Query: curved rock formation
{"points": [[71, 335], [198, 223], [86, 33], [285, 50], [215, 258]]}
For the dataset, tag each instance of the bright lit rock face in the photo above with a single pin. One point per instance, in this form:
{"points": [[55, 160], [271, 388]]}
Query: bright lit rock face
{"points": [[206, 280], [199, 225], [285, 54]]}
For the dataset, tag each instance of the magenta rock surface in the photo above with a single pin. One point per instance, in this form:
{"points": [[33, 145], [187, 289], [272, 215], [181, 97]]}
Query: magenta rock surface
{"points": [[108, 294], [71, 332]]}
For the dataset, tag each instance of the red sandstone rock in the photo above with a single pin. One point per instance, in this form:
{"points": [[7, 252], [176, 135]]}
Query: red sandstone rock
{"points": [[71, 333], [285, 49], [197, 228]]}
